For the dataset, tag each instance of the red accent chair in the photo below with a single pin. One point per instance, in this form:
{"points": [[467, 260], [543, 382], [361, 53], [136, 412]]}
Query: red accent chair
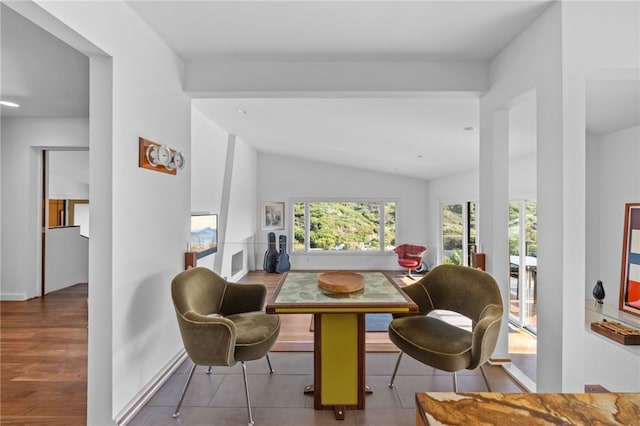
{"points": [[410, 257]]}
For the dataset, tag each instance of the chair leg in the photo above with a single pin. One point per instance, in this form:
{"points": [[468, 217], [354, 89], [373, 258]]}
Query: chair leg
{"points": [[409, 275], [270, 367], [209, 370], [246, 390], [484, 376], [395, 370], [184, 391], [455, 382]]}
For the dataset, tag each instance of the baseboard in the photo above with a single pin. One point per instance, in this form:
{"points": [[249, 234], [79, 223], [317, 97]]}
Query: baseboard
{"points": [[148, 391], [499, 361], [516, 374], [13, 297]]}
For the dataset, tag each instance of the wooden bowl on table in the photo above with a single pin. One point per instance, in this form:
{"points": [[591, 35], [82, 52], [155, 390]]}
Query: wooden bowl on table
{"points": [[341, 281]]}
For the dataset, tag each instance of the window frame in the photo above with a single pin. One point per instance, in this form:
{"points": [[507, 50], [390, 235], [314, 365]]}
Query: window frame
{"points": [[382, 250]]}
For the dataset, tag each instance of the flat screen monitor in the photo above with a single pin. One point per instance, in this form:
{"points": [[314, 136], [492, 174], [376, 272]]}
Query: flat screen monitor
{"points": [[204, 234]]}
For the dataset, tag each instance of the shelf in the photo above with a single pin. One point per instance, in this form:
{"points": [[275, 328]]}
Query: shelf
{"points": [[598, 312]]}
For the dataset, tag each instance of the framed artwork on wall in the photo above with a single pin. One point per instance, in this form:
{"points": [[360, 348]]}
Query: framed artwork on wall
{"points": [[272, 215], [630, 270]]}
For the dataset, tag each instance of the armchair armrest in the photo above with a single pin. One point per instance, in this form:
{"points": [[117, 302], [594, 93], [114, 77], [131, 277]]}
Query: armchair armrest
{"points": [[208, 340], [419, 294], [240, 298], [485, 335]]}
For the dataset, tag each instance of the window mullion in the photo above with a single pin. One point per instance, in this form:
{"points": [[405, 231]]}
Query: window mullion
{"points": [[307, 227]]}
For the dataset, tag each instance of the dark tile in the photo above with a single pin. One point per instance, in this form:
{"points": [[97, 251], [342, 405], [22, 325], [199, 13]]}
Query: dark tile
{"points": [[386, 416], [264, 390], [302, 416]]}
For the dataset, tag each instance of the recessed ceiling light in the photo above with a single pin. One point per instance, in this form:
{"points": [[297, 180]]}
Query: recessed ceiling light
{"points": [[241, 111], [9, 104], [419, 155]]}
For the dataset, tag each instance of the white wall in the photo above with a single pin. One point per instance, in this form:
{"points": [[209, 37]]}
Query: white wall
{"points": [[614, 366], [81, 219], [223, 181], [286, 179], [613, 179], [208, 154], [63, 188], [67, 174], [533, 61], [241, 209], [67, 258], [22, 144], [141, 225]]}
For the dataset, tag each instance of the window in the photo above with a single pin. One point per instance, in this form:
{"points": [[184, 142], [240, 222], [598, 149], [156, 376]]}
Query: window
{"points": [[347, 226], [458, 233]]}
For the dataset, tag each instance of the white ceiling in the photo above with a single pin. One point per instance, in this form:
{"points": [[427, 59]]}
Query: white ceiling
{"points": [[415, 136], [46, 77], [420, 137], [447, 29]]}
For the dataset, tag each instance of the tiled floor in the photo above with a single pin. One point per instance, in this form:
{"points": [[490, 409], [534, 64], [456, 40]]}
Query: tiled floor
{"points": [[278, 399]]}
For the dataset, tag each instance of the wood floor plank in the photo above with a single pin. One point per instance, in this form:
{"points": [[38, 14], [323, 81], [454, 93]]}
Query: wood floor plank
{"points": [[43, 350]]}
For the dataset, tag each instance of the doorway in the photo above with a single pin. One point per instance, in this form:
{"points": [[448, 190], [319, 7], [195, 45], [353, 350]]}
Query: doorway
{"points": [[65, 218]]}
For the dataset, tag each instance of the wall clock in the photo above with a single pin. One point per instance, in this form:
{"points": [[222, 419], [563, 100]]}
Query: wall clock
{"points": [[158, 157]]}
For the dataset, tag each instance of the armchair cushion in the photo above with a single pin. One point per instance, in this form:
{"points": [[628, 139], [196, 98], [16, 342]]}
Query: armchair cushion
{"points": [[256, 333], [432, 341]]}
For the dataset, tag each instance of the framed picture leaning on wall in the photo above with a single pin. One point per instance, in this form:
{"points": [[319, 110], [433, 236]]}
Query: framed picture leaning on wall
{"points": [[272, 215], [630, 270]]}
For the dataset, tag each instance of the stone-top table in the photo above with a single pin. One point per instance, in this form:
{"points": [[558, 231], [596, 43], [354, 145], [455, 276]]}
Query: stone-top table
{"points": [[530, 409]]}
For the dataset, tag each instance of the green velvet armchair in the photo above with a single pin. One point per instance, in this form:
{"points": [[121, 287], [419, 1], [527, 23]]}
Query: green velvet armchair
{"points": [[434, 342], [222, 323]]}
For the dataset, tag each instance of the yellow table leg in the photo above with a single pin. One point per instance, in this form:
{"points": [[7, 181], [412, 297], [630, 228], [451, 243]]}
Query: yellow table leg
{"points": [[340, 366]]}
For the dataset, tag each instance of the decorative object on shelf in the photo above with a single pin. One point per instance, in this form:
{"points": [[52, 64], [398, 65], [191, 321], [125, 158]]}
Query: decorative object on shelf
{"points": [[617, 331], [272, 215], [630, 270], [161, 158], [598, 292], [271, 255], [341, 281], [283, 264]]}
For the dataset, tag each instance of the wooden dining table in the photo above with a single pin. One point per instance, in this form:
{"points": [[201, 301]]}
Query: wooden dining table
{"points": [[339, 330]]}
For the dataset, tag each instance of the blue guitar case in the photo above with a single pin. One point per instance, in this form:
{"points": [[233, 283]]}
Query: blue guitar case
{"points": [[283, 264]]}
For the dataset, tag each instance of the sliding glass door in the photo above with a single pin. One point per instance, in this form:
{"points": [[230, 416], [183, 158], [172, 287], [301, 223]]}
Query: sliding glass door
{"points": [[523, 264]]}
